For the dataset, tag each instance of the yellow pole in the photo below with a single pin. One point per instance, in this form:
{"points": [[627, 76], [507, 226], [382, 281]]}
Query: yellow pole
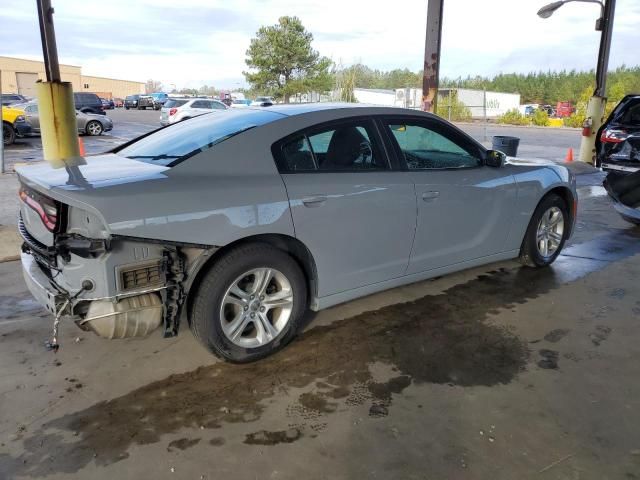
{"points": [[58, 128]]}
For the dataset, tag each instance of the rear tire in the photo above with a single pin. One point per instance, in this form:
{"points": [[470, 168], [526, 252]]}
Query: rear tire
{"points": [[543, 231], [8, 134], [223, 303]]}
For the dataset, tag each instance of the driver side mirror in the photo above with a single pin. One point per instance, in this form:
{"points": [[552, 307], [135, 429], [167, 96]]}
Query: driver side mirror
{"points": [[495, 158]]}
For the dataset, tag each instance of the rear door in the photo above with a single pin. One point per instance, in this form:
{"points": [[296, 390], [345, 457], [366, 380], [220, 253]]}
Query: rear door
{"points": [[200, 106], [465, 208], [355, 213]]}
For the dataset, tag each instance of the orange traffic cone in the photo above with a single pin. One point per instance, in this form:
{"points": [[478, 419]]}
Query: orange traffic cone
{"points": [[81, 145], [569, 157]]}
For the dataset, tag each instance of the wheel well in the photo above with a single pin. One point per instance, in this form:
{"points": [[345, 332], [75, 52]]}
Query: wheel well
{"points": [[290, 245], [571, 202]]}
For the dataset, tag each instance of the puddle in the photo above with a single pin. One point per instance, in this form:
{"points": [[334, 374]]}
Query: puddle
{"points": [[361, 362]]}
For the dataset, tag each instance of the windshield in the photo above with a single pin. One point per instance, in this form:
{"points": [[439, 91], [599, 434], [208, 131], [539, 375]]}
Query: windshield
{"points": [[175, 143]]}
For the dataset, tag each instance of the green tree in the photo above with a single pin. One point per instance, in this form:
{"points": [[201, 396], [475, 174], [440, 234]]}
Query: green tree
{"points": [[283, 63]]}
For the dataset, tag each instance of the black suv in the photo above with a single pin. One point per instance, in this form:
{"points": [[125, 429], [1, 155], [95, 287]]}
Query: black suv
{"points": [[618, 140], [146, 101], [131, 101], [88, 103]]}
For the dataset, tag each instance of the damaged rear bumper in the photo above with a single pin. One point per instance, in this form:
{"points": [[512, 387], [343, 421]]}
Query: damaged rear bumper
{"points": [[133, 315], [40, 285]]}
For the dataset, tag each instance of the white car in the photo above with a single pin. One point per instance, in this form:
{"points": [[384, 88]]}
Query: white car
{"points": [[262, 102], [177, 109]]}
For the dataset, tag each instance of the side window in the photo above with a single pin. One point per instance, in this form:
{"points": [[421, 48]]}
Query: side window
{"points": [[347, 147], [217, 106], [297, 156], [199, 104], [425, 148]]}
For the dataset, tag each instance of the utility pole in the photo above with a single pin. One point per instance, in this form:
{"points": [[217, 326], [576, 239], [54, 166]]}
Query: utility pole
{"points": [[56, 108], [431, 70], [1, 130], [597, 103]]}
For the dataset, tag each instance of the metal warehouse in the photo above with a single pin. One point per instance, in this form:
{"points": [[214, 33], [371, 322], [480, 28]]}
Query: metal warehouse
{"points": [[20, 75]]}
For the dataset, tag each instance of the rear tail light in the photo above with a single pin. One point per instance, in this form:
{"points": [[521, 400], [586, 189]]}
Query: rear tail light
{"points": [[613, 136], [47, 209], [172, 111]]}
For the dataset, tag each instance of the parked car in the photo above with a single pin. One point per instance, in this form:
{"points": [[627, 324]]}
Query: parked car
{"points": [[178, 109], [118, 102], [13, 98], [236, 224], [88, 123], [14, 124], [618, 139], [131, 101], [88, 103], [624, 190], [107, 104], [262, 102], [145, 101], [240, 103], [159, 100]]}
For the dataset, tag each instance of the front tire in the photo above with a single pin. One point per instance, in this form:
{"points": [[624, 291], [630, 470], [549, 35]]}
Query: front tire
{"points": [[93, 128], [249, 304], [8, 134], [547, 232]]}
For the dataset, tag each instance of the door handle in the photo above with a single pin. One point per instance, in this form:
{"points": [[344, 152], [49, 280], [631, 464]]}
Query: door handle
{"points": [[430, 196], [315, 201]]}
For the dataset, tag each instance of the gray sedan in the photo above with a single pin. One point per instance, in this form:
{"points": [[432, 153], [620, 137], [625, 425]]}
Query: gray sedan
{"points": [[88, 123], [236, 224]]}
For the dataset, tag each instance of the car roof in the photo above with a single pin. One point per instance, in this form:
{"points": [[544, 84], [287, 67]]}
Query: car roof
{"points": [[293, 109]]}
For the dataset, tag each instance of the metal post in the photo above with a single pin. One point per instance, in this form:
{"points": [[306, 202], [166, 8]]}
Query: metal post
{"points": [[450, 102], [597, 103], [48, 38], [484, 112], [1, 130], [431, 71], [605, 47]]}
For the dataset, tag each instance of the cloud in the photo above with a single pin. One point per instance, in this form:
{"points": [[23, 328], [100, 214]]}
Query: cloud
{"points": [[192, 42]]}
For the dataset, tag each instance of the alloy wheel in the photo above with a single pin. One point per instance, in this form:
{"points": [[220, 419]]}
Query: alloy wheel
{"points": [[550, 232], [256, 307]]}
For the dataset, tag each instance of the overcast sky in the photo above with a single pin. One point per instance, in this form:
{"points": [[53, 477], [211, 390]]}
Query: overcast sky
{"points": [[194, 42]]}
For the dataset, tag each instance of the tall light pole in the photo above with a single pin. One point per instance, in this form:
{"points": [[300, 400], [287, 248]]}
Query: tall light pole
{"points": [[597, 102]]}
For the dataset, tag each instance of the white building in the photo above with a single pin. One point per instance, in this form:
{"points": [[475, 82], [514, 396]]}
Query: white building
{"points": [[481, 103]]}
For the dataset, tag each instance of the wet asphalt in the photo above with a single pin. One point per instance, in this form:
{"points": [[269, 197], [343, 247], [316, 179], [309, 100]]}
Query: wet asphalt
{"points": [[498, 372]]}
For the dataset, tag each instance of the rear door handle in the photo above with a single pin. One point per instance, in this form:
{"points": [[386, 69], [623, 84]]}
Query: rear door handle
{"points": [[315, 201], [430, 196]]}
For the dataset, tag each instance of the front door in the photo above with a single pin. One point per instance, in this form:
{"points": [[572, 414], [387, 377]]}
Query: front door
{"points": [[465, 208], [31, 115], [355, 214]]}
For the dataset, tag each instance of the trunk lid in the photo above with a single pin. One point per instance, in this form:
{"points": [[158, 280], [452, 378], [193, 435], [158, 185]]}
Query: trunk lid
{"points": [[41, 185]]}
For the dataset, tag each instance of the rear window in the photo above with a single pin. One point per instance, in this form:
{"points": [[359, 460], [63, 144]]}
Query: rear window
{"points": [[175, 143], [171, 103]]}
